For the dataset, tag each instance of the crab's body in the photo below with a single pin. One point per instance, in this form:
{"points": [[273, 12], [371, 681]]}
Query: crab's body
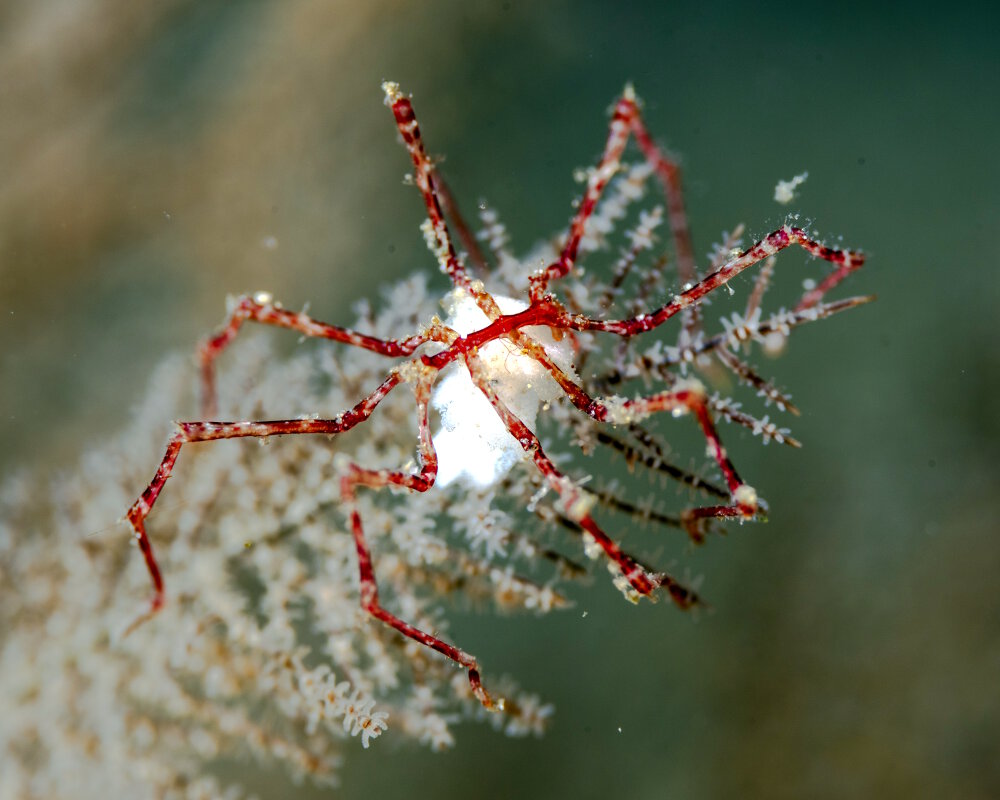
{"points": [[472, 444]]}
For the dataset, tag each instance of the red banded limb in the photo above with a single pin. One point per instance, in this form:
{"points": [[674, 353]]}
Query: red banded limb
{"points": [[618, 132], [546, 311], [436, 228], [190, 432], [844, 268], [255, 309], [575, 503], [465, 235], [774, 242], [420, 481], [626, 119], [691, 398], [439, 240]]}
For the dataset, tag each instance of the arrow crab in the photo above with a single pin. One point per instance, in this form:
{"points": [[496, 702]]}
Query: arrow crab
{"points": [[496, 361]]}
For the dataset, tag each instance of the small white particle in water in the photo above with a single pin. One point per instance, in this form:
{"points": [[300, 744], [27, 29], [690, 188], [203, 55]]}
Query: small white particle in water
{"points": [[784, 191]]}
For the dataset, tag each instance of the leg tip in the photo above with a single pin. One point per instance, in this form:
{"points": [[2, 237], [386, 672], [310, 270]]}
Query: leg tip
{"points": [[155, 606], [746, 499], [481, 694]]}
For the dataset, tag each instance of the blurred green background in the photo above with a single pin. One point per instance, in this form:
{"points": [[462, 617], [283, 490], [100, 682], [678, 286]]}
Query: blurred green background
{"points": [[157, 156]]}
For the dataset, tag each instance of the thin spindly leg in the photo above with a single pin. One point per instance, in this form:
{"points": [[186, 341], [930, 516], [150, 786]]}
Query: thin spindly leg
{"points": [[438, 239], [465, 235], [262, 309], [785, 236], [690, 398], [420, 481], [669, 174], [576, 503], [436, 228], [843, 268], [618, 131], [190, 432], [625, 119]]}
